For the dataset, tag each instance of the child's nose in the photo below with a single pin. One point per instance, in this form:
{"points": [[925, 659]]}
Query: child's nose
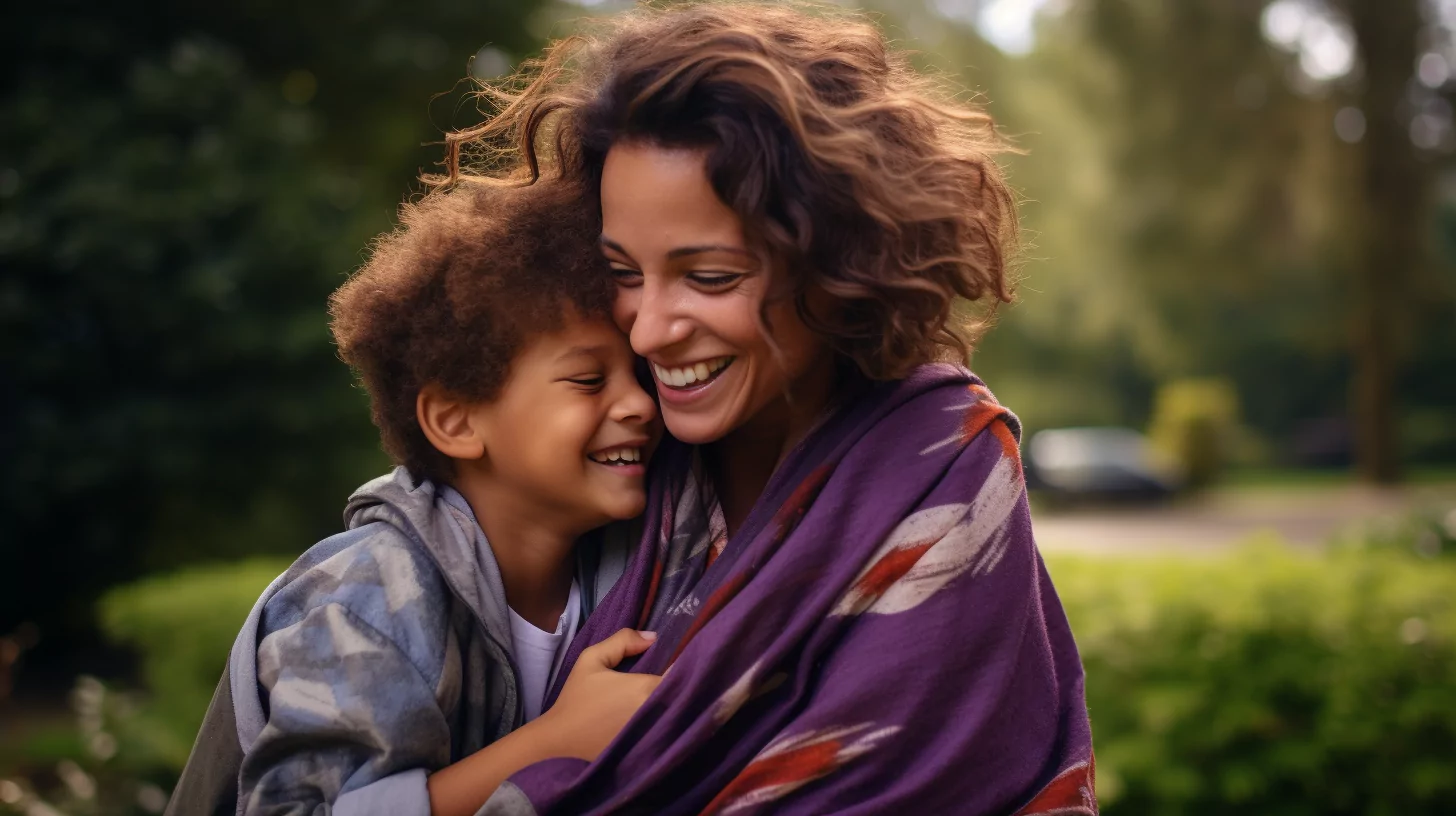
{"points": [[636, 405]]}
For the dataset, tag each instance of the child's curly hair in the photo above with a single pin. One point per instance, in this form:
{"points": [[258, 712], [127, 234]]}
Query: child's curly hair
{"points": [[850, 172], [452, 294]]}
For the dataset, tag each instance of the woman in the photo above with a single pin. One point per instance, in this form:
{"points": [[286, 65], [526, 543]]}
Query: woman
{"points": [[838, 559]]}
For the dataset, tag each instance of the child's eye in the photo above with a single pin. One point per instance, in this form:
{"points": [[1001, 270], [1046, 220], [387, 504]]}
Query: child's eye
{"points": [[714, 280], [588, 382], [625, 276]]}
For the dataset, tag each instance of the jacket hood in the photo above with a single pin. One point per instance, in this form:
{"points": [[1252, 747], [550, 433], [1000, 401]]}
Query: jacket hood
{"points": [[440, 521]]}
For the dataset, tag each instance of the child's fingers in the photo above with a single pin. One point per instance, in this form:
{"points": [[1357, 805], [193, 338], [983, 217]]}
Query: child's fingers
{"points": [[618, 647], [643, 684]]}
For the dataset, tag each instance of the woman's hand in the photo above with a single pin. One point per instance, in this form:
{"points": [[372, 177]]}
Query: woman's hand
{"points": [[597, 700]]}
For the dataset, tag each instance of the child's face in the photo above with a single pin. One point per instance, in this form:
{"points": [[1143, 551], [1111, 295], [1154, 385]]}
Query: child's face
{"points": [[571, 431]]}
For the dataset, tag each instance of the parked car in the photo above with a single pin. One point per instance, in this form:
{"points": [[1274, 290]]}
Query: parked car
{"points": [[1098, 464]]}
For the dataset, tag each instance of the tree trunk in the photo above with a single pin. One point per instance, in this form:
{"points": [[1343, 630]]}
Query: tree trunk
{"points": [[1389, 219]]}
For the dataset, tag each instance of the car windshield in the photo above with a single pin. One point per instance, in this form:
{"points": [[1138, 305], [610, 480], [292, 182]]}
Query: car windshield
{"points": [[1076, 448]]}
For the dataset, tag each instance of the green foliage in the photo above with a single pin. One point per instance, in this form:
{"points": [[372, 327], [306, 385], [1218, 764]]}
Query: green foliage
{"points": [[1260, 681], [177, 200], [126, 748], [1194, 422], [1189, 210], [104, 766], [1426, 533], [182, 625], [1268, 682]]}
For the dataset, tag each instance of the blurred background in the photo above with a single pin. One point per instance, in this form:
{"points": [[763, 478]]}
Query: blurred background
{"points": [[1234, 353]]}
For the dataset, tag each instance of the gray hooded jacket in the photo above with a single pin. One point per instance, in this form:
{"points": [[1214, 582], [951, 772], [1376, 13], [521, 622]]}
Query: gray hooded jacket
{"points": [[382, 654]]}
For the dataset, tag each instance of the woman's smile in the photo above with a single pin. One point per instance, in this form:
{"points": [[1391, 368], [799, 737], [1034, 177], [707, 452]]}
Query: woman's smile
{"points": [[690, 382]]}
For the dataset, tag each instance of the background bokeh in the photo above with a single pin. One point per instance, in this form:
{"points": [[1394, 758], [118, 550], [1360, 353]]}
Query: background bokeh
{"points": [[1241, 241]]}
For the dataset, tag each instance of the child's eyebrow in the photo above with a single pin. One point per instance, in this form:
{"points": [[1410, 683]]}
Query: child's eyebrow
{"points": [[593, 352]]}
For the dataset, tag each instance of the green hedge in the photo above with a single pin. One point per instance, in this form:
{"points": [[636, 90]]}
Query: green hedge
{"points": [[182, 625], [1269, 682], [1260, 681]]}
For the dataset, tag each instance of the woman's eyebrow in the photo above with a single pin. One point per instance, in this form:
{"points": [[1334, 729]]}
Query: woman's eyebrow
{"points": [[698, 250], [614, 246]]}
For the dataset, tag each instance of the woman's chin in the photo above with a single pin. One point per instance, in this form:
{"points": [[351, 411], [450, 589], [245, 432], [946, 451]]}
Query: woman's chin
{"points": [[694, 429]]}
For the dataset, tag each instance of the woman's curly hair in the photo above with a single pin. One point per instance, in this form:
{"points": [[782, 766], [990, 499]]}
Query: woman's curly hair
{"points": [[851, 172], [452, 295]]}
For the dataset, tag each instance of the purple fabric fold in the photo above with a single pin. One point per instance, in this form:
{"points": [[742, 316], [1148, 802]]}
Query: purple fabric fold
{"points": [[881, 634]]}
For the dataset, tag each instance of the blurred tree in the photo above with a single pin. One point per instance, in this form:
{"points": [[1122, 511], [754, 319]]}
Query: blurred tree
{"points": [[1389, 213], [182, 184], [1179, 205], [181, 187], [1199, 206]]}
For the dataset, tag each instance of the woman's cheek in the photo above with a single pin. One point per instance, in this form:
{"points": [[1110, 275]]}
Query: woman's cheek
{"points": [[624, 310]]}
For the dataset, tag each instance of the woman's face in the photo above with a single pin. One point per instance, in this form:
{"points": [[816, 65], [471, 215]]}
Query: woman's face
{"points": [[689, 294]]}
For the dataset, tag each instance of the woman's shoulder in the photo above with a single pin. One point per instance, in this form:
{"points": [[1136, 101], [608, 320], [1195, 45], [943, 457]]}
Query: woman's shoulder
{"points": [[938, 413], [948, 390]]}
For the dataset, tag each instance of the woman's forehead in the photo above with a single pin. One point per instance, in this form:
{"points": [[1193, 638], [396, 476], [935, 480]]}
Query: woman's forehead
{"points": [[660, 199]]}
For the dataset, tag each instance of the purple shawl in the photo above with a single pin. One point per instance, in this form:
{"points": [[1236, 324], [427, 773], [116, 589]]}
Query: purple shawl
{"points": [[880, 636]]}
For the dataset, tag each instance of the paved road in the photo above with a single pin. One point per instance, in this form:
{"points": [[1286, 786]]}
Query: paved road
{"points": [[1306, 517]]}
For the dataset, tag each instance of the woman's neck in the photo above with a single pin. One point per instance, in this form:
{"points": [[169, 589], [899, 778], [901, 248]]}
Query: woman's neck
{"points": [[535, 557], [741, 463]]}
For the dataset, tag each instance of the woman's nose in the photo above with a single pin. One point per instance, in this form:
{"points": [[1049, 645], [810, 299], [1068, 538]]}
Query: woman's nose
{"points": [[658, 323]]}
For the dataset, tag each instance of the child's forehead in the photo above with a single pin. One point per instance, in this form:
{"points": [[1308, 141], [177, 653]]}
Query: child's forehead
{"points": [[577, 336]]}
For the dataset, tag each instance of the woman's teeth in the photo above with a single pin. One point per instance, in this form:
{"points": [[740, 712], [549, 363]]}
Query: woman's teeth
{"points": [[688, 375], [617, 456]]}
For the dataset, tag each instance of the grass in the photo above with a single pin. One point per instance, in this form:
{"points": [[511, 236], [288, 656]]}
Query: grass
{"points": [[1307, 479]]}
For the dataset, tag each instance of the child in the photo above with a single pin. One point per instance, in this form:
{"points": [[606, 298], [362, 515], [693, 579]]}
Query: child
{"points": [[400, 667]]}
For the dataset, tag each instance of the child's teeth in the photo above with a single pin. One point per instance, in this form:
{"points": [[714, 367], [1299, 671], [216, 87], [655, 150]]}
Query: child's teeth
{"points": [[618, 455]]}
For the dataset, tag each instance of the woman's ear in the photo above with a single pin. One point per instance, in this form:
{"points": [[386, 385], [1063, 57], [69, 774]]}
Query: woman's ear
{"points": [[448, 423]]}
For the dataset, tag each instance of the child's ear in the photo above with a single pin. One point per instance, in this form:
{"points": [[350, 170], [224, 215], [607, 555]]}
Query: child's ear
{"points": [[448, 423]]}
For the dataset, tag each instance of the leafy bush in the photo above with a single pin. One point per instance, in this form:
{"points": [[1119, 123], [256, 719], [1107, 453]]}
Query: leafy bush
{"points": [[1268, 682], [1195, 422], [126, 748], [1260, 681], [1429, 532], [98, 769], [182, 625]]}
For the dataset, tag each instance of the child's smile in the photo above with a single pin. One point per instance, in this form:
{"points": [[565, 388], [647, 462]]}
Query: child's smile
{"points": [[569, 436], [626, 460]]}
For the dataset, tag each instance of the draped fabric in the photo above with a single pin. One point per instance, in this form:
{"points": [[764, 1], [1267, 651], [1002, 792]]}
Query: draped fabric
{"points": [[880, 636]]}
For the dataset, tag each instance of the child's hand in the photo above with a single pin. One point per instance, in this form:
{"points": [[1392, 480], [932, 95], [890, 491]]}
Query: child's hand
{"points": [[594, 705], [597, 700]]}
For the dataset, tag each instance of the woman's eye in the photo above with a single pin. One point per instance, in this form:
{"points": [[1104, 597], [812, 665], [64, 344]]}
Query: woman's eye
{"points": [[626, 276], [714, 280]]}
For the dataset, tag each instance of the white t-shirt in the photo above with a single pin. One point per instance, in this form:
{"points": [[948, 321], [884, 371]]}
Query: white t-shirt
{"points": [[539, 654]]}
